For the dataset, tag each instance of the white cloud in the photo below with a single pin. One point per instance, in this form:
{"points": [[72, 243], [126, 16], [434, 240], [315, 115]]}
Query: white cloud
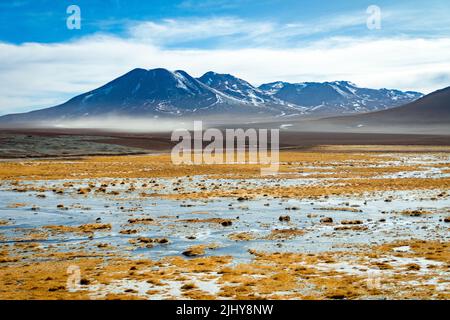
{"points": [[171, 31], [36, 75], [236, 32]]}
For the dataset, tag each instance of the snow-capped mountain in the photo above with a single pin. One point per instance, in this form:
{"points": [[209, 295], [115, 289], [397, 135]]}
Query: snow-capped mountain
{"points": [[337, 97], [237, 88], [162, 93], [249, 95], [140, 92]]}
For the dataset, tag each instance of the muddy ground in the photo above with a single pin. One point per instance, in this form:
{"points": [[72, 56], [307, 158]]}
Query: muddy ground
{"points": [[31, 143]]}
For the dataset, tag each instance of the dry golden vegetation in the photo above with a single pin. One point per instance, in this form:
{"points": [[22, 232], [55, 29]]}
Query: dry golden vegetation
{"points": [[268, 276], [419, 269]]}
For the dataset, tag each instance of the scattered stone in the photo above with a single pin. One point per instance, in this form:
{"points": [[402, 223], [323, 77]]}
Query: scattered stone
{"points": [[194, 251], [226, 223], [128, 231], [415, 213], [354, 228], [326, 220], [84, 190], [140, 220], [413, 267], [145, 240], [351, 222], [188, 286]]}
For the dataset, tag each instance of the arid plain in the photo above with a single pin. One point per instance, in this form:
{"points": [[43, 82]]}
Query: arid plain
{"points": [[343, 221]]}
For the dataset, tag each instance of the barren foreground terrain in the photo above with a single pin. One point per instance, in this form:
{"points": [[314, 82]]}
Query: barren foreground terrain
{"points": [[337, 222]]}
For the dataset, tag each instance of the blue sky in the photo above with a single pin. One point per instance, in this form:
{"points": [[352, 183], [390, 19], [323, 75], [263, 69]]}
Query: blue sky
{"points": [[42, 62], [44, 20]]}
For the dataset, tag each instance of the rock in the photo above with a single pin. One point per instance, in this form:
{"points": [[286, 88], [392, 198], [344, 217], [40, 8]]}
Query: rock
{"points": [[354, 228], [284, 218], [128, 231], [447, 219], [140, 220], [188, 286], [413, 267], [190, 253], [84, 190], [226, 223], [326, 220], [351, 222], [194, 251], [145, 240], [415, 213]]}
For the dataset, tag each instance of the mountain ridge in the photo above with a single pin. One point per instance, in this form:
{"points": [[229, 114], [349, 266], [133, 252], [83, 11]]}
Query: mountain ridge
{"points": [[162, 93], [433, 108]]}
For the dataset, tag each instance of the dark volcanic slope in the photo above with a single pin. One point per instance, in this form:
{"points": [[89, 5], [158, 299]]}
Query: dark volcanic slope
{"points": [[432, 109], [140, 92]]}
